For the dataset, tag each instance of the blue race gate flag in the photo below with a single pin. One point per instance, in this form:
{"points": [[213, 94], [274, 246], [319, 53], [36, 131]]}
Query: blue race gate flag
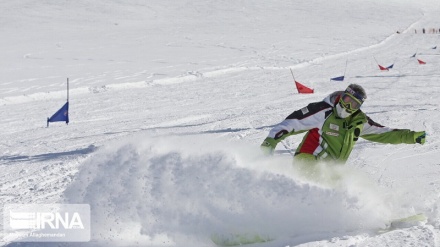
{"points": [[61, 115], [339, 78]]}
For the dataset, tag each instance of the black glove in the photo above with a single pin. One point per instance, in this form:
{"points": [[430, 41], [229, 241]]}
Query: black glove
{"points": [[419, 137]]}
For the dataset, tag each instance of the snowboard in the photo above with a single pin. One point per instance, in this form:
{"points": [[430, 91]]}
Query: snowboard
{"points": [[238, 239], [413, 220]]}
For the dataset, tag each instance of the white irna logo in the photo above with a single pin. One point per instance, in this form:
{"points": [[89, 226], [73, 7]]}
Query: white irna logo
{"points": [[45, 220]]}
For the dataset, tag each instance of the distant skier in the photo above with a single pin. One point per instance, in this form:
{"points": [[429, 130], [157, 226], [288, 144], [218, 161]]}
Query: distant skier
{"points": [[333, 126]]}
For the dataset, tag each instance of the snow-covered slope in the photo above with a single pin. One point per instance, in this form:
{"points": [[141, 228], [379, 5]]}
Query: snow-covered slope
{"points": [[170, 100]]}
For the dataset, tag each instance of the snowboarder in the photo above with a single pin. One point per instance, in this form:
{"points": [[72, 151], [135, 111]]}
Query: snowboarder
{"points": [[333, 126]]}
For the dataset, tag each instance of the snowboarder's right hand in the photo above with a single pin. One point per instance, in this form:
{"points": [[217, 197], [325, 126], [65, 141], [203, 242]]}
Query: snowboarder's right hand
{"points": [[419, 137], [268, 146]]}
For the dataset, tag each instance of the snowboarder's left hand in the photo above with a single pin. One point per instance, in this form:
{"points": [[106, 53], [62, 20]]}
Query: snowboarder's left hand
{"points": [[419, 137]]}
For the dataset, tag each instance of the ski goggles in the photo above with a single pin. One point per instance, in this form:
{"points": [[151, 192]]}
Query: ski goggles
{"points": [[349, 102]]}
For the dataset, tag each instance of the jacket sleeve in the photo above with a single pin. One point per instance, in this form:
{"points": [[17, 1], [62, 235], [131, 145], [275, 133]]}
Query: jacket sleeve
{"points": [[307, 118], [375, 132]]}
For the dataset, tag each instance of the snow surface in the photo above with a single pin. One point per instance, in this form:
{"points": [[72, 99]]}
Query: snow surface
{"points": [[170, 101]]}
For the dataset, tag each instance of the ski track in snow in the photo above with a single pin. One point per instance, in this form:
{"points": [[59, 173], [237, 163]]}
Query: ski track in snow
{"points": [[166, 158]]}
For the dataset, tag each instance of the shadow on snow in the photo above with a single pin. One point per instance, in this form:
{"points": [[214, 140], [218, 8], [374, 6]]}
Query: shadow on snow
{"points": [[45, 157]]}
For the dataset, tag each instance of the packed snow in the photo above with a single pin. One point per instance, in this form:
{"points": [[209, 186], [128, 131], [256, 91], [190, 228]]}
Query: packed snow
{"points": [[170, 100]]}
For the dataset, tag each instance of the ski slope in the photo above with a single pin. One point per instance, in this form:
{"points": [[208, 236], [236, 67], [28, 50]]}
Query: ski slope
{"points": [[169, 102]]}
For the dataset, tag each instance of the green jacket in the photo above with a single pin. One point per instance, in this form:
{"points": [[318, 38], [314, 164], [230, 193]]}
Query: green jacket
{"points": [[329, 137]]}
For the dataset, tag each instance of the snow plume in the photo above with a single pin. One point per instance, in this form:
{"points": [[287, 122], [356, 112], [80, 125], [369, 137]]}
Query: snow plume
{"points": [[177, 191]]}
